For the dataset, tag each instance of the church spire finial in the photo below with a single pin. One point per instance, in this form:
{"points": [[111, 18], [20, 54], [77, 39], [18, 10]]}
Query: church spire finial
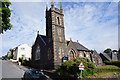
{"points": [[47, 7], [52, 4], [60, 5], [37, 32], [70, 39]]}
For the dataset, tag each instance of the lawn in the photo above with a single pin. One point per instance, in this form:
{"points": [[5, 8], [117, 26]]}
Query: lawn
{"points": [[107, 71]]}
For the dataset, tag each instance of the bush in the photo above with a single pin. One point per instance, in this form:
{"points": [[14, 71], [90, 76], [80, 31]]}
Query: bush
{"points": [[68, 68], [10, 57], [116, 63], [24, 62], [21, 60]]}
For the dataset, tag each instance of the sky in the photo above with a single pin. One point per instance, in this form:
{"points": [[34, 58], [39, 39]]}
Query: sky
{"points": [[93, 24]]}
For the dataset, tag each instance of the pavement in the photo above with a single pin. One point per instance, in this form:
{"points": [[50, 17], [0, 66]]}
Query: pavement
{"points": [[11, 71], [24, 68]]}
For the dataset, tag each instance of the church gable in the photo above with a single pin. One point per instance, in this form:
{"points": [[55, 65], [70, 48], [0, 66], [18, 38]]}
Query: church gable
{"points": [[43, 38], [71, 46], [72, 50], [96, 58], [38, 46]]}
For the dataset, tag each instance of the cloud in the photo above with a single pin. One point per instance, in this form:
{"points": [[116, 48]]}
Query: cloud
{"points": [[94, 24]]}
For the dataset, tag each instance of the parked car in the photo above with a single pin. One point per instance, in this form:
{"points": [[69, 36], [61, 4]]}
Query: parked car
{"points": [[34, 74], [4, 58]]}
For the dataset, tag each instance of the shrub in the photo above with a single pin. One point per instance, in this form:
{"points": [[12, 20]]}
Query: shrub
{"points": [[24, 62], [10, 57], [68, 67], [116, 63], [21, 60]]}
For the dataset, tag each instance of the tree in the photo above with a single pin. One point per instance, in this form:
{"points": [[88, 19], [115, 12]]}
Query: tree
{"points": [[114, 51], [11, 51], [108, 50], [119, 51], [4, 16]]}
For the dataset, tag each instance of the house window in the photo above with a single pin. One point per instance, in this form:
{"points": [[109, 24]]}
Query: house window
{"points": [[22, 48], [37, 53]]}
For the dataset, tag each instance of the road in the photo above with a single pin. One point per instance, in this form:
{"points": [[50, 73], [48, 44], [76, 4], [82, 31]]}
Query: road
{"points": [[9, 70]]}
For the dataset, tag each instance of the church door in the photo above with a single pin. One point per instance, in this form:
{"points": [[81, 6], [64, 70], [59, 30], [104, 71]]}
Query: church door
{"points": [[97, 62], [71, 56]]}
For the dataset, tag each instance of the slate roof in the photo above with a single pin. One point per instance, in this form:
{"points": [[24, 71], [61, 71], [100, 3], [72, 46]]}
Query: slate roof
{"points": [[109, 54], [106, 55], [43, 38], [79, 46], [68, 42]]}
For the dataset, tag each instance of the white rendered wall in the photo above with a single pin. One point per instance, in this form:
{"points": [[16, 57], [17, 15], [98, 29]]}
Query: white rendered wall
{"points": [[26, 52]]}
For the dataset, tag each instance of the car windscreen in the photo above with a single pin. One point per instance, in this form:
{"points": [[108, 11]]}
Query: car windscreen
{"points": [[36, 72]]}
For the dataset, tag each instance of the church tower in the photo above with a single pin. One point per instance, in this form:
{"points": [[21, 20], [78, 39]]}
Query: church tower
{"points": [[55, 35]]}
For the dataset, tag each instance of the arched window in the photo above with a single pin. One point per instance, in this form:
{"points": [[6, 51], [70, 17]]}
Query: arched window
{"points": [[91, 57], [58, 20], [80, 55], [37, 53], [49, 54], [61, 53], [84, 55]]}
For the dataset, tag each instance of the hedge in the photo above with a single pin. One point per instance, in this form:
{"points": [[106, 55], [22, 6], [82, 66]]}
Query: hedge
{"points": [[68, 67], [107, 68], [116, 63]]}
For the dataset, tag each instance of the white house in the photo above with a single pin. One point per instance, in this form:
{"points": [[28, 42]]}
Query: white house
{"points": [[22, 51]]}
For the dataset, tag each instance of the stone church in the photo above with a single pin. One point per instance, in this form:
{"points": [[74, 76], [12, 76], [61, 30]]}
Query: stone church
{"points": [[48, 50]]}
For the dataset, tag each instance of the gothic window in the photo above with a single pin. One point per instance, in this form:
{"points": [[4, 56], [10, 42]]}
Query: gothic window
{"points": [[87, 55], [60, 53], [60, 39], [59, 31], [59, 34], [37, 53], [84, 55], [58, 20], [81, 55], [49, 54]]}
